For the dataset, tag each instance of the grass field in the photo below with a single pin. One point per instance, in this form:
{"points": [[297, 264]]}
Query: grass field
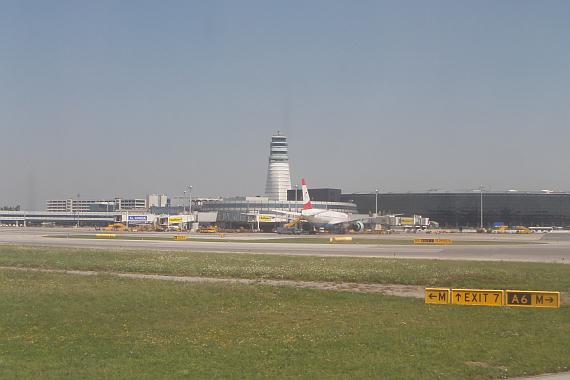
{"points": [[75, 327], [457, 274]]}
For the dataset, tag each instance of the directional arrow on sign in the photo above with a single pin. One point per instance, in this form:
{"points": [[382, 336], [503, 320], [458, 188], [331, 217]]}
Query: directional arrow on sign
{"points": [[477, 297], [533, 298], [437, 295]]}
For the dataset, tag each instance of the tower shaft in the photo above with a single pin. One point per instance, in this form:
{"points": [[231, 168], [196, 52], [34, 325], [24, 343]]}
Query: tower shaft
{"points": [[278, 176]]}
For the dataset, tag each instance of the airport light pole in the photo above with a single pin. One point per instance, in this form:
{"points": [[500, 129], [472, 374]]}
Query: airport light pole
{"points": [[190, 208], [296, 198], [376, 209], [190, 200], [77, 208], [481, 189]]}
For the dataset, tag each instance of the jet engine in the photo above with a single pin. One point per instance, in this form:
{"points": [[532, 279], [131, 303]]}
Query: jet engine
{"points": [[357, 226], [306, 227]]}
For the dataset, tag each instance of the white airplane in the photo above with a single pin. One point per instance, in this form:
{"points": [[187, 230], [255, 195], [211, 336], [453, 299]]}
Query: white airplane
{"points": [[317, 218]]}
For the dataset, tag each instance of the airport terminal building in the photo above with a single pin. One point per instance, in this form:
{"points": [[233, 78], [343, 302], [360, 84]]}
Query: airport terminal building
{"points": [[248, 211], [463, 209], [449, 209]]}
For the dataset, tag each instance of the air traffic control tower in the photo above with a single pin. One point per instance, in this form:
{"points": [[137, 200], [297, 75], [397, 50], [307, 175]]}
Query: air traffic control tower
{"points": [[278, 176]]}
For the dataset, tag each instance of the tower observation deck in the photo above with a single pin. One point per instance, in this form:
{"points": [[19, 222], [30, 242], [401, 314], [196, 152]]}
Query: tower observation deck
{"points": [[278, 176]]}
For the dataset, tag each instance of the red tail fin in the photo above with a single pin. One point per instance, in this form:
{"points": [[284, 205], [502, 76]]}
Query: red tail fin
{"points": [[306, 198]]}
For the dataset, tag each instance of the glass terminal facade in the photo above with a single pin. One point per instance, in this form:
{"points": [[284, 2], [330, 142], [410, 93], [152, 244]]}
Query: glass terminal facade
{"points": [[453, 210]]}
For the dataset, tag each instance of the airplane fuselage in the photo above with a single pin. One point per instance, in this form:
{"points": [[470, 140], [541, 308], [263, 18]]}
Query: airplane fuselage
{"points": [[320, 218]]}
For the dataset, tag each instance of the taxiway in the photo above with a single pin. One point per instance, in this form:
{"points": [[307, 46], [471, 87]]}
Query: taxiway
{"points": [[551, 247]]}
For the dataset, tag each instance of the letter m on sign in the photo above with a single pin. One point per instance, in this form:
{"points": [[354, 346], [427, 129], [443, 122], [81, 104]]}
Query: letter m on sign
{"points": [[437, 295]]}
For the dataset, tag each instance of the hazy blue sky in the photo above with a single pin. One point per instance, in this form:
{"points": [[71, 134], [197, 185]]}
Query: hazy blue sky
{"points": [[127, 98]]}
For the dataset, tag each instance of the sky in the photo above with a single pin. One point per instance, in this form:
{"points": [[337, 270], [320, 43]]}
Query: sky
{"points": [[105, 99]]}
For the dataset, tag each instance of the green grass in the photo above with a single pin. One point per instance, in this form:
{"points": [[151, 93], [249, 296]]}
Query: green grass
{"points": [[67, 326], [56, 326], [455, 274]]}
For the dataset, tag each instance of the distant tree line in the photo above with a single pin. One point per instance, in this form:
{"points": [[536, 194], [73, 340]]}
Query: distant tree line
{"points": [[10, 208]]}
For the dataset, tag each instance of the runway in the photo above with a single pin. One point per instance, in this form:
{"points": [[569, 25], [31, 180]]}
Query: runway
{"points": [[551, 247]]}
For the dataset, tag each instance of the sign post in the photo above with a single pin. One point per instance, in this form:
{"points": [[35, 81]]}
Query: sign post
{"points": [[432, 241]]}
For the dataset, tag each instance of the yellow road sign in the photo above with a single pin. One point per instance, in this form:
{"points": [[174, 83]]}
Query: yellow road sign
{"points": [[532, 298], [438, 295], [179, 237], [477, 297], [432, 241]]}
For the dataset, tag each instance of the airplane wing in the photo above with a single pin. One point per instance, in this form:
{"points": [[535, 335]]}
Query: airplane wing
{"points": [[361, 219], [313, 212], [286, 212]]}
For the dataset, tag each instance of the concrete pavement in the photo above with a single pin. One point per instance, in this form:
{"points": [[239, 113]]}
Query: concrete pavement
{"points": [[556, 376]]}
